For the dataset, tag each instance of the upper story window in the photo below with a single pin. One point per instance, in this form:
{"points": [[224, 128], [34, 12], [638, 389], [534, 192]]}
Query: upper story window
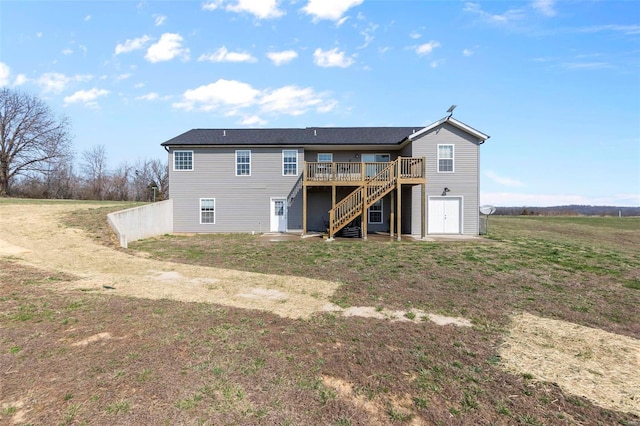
{"points": [[325, 157], [243, 162], [445, 158], [290, 162], [182, 160]]}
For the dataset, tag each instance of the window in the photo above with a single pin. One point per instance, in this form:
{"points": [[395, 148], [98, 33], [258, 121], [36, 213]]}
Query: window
{"points": [[375, 168], [375, 212], [289, 162], [278, 208], [325, 157], [182, 160], [243, 163], [207, 210], [445, 158]]}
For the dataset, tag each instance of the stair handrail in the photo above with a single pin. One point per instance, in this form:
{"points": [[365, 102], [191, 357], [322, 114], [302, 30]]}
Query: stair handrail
{"points": [[368, 193]]}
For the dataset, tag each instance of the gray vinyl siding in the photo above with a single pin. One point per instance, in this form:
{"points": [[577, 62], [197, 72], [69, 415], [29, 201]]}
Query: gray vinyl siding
{"points": [[243, 203], [462, 182]]}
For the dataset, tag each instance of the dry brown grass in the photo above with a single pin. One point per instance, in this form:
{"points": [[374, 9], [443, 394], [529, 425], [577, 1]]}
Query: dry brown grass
{"points": [[73, 356]]}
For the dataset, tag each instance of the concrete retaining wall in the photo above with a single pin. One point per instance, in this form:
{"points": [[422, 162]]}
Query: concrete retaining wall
{"points": [[142, 222]]}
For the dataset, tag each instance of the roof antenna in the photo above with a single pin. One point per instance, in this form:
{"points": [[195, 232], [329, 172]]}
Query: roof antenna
{"points": [[450, 110]]}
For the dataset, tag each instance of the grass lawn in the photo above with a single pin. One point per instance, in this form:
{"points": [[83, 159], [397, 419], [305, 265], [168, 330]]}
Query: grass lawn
{"points": [[166, 362]]}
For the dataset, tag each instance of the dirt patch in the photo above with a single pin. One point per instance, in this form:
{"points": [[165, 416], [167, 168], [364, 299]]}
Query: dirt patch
{"points": [[413, 315], [376, 411], [35, 235], [600, 366]]}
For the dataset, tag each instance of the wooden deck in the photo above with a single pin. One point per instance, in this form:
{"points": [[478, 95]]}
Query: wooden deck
{"points": [[356, 174], [371, 182]]}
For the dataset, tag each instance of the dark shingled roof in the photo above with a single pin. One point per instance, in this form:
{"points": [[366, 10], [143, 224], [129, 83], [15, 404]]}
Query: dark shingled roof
{"points": [[307, 136]]}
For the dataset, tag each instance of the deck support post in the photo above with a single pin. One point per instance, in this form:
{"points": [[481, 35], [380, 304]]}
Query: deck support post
{"points": [[399, 210], [392, 215], [423, 202], [365, 217], [304, 210]]}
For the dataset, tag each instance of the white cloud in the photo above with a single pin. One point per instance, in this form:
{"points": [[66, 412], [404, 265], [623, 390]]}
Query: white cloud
{"points": [[5, 72], [20, 80], [467, 52], [253, 121], [332, 58], [223, 55], [133, 44], [506, 181], [56, 82], [149, 97], [507, 17], [290, 100], [212, 5], [436, 63], [86, 97], [544, 6], [261, 9], [67, 51], [222, 93], [329, 9], [426, 48], [87, 18], [279, 58], [231, 97], [511, 199], [167, 48], [625, 29], [123, 77], [367, 33], [586, 65], [415, 35], [159, 19], [152, 96]]}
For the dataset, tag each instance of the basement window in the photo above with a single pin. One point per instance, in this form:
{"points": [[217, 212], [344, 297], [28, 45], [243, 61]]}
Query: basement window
{"points": [[207, 210], [375, 212]]}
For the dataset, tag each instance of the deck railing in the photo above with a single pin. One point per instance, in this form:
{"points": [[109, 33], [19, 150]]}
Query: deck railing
{"points": [[342, 172]]}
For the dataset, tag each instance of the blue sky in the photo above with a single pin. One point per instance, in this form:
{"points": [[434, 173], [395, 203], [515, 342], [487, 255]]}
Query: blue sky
{"points": [[555, 83]]}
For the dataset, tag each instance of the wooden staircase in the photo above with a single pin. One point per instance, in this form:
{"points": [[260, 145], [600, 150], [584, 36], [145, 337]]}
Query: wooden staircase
{"points": [[373, 189]]}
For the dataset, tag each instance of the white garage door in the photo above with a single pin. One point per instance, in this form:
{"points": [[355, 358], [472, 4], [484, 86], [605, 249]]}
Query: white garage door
{"points": [[445, 215]]}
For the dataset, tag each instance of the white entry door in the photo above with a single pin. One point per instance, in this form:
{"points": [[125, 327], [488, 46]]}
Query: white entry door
{"points": [[445, 214], [278, 215]]}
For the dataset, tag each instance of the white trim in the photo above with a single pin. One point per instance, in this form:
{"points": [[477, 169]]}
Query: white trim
{"points": [[236, 161], [283, 163], [459, 124], [453, 158], [447, 197], [173, 158], [286, 212], [375, 211], [200, 211]]}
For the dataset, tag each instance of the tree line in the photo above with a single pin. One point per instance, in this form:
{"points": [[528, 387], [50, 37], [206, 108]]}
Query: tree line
{"points": [[37, 159]]}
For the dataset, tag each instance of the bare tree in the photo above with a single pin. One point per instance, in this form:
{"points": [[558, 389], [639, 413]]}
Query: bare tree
{"points": [[30, 136], [94, 167]]}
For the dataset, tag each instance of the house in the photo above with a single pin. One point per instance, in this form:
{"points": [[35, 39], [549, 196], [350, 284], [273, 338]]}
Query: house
{"points": [[413, 180]]}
